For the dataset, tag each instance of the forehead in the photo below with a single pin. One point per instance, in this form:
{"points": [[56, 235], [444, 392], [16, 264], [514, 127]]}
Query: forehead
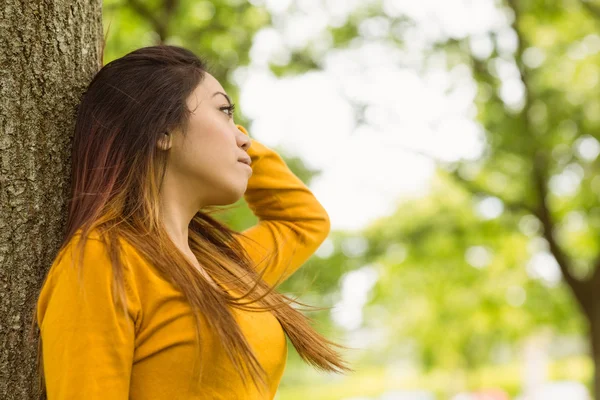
{"points": [[205, 91], [209, 86]]}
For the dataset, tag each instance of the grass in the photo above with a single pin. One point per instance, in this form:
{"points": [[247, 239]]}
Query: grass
{"points": [[374, 381]]}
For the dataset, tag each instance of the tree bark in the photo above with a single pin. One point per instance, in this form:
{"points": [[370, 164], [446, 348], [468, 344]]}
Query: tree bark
{"points": [[49, 50]]}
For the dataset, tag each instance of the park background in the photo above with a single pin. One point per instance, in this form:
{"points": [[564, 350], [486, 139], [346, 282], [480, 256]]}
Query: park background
{"points": [[454, 144]]}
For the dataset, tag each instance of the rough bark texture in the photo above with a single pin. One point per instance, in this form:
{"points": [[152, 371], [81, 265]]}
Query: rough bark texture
{"points": [[49, 50]]}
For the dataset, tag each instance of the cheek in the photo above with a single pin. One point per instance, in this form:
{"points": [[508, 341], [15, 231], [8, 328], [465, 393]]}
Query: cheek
{"points": [[207, 156]]}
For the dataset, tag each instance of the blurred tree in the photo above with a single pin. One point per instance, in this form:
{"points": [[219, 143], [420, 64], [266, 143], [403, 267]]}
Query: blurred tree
{"points": [[452, 283], [542, 146]]}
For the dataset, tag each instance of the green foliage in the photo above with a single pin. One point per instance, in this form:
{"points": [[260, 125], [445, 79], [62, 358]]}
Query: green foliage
{"points": [[460, 315], [550, 125]]}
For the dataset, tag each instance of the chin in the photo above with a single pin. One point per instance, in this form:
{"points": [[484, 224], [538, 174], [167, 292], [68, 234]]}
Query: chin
{"points": [[233, 196]]}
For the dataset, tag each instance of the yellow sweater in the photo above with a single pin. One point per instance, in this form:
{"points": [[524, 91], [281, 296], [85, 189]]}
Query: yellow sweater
{"points": [[89, 349]]}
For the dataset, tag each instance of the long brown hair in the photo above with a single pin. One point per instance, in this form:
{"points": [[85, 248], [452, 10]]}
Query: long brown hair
{"points": [[116, 178]]}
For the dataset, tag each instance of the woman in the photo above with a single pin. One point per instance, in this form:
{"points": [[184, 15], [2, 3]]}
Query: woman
{"points": [[149, 296]]}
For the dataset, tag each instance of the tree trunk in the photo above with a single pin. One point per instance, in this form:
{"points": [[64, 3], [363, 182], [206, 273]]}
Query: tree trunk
{"points": [[49, 50]]}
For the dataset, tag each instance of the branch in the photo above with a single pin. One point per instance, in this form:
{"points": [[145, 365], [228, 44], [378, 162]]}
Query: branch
{"points": [[584, 291], [591, 8], [144, 12], [513, 205], [543, 213], [474, 188], [161, 24], [580, 289]]}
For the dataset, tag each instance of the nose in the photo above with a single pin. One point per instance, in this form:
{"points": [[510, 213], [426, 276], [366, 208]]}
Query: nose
{"points": [[243, 141]]}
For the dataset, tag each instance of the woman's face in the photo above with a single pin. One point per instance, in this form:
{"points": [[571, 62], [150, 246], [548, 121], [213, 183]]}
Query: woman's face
{"points": [[205, 162]]}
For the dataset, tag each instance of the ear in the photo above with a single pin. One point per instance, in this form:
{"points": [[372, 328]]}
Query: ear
{"points": [[164, 143]]}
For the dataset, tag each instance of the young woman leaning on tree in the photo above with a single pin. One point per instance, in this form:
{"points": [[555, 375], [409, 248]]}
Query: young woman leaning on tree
{"points": [[149, 296]]}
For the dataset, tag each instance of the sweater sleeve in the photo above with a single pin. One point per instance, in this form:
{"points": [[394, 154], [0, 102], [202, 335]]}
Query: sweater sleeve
{"points": [[292, 223], [87, 342]]}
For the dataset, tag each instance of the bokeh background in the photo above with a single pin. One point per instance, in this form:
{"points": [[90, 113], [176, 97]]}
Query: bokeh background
{"points": [[454, 144]]}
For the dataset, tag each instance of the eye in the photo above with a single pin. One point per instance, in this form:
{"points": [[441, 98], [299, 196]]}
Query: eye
{"points": [[230, 109]]}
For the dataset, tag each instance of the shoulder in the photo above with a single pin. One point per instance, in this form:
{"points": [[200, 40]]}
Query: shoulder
{"points": [[88, 263], [93, 249], [85, 281], [77, 252]]}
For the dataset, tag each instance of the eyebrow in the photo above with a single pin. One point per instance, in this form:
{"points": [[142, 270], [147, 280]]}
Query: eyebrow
{"points": [[227, 97]]}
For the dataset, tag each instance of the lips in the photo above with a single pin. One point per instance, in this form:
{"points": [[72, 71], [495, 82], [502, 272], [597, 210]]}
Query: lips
{"points": [[245, 161]]}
